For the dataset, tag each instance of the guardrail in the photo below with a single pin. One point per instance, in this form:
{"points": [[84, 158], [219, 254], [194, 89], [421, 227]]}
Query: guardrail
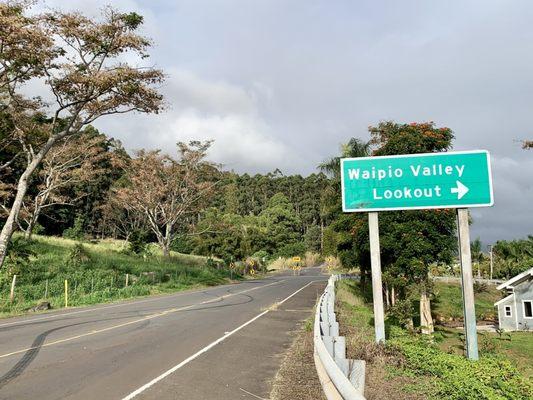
{"points": [[457, 279], [341, 378]]}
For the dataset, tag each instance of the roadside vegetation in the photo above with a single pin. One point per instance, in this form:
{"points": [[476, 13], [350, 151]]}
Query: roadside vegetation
{"points": [[416, 366], [447, 306], [98, 271]]}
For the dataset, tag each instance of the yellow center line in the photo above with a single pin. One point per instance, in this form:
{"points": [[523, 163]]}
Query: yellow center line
{"points": [[148, 317]]}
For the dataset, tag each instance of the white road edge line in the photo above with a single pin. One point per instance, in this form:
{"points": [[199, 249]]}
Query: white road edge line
{"points": [[206, 348], [151, 316]]}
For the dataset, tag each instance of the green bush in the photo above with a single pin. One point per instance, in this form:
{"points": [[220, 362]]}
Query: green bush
{"points": [[291, 250], [78, 257], [490, 378], [76, 232], [18, 255], [138, 242]]}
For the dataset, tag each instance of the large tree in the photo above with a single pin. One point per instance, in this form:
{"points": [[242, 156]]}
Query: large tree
{"points": [[417, 238], [410, 240], [81, 63], [74, 161], [169, 192]]}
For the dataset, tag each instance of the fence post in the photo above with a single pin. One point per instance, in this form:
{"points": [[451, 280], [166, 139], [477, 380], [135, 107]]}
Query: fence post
{"points": [[66, 293], [127, 279], [46, 290], [12, 294]]}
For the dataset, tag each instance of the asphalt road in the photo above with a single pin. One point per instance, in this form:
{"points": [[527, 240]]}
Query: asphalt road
{"points": [[222, 343]]}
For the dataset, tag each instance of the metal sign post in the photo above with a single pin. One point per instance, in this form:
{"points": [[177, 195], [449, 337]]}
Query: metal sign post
{"points": [[377, 287], [467, 284]]}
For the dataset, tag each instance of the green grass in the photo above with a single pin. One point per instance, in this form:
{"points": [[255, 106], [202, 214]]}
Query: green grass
{"points": [[99, 275], [433, 366], [516, 346], [448, 302], [358, 313]]}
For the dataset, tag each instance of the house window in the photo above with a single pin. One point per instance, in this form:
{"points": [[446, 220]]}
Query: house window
{"points": [[528, 309], [508, 312]]}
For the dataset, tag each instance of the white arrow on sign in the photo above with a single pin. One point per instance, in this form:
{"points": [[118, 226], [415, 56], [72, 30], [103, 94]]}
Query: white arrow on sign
{"points": [[461, 190]]}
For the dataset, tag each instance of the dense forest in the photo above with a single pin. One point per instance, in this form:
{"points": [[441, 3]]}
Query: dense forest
{"points": [[76, 193]]}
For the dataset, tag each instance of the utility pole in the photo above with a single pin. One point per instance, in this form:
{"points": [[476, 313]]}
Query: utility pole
{"points": [[491, 265], [467, 284]]}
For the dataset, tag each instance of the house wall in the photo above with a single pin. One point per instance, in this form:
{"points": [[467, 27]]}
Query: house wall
{"points": [[524, 291], [507, 323]]}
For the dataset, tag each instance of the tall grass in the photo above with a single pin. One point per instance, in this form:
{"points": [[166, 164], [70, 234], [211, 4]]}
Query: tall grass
{"points": [[309, 260]]}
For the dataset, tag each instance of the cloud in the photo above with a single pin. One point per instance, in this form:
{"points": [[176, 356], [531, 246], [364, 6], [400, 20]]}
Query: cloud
{"points": [[510, 217], [200, 109], [281, 84]]}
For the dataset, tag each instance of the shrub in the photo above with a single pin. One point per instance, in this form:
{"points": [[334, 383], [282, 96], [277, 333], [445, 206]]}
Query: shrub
{"points": [[76, 232], [401, 313], [262, 256], [138, 242], [291, 250], [332, 263], [18, 256], [279, 263], [311, 259], [78, 257], [480, 287], [491, 378], [182, 244]]}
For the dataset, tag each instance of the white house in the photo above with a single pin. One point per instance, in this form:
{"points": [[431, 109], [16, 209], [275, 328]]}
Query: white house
{"points": [[515, 311]]}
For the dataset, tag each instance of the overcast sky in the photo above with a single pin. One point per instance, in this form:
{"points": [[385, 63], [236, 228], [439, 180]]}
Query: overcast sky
{"points": [[281, 83]]}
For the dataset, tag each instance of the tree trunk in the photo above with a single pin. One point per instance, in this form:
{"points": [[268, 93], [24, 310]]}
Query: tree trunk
{"points": [[7, 229], [167, 240], [321, 236], [166, 249], [33, 221], [393, 296], [426, 320], [22, 188]]}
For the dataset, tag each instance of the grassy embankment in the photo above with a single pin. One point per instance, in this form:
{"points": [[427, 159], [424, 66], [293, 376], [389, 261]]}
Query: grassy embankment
{"points": [[413, 366], [96, 272]]}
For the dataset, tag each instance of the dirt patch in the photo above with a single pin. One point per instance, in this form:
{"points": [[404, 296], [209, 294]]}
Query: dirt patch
{"points": [[297, 377], [382, 384]]}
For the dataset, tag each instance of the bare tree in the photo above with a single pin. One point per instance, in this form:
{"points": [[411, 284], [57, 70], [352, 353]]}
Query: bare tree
{"points": [[121, 220], [71, 162], [81, 63], [169, 192]]}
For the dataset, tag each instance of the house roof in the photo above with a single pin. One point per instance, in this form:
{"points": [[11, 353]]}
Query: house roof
{"points": [[517, 279], [503, 300]]}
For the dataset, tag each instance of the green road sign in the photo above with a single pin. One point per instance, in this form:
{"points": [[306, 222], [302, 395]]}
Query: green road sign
{"points": [[417, 181]]}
